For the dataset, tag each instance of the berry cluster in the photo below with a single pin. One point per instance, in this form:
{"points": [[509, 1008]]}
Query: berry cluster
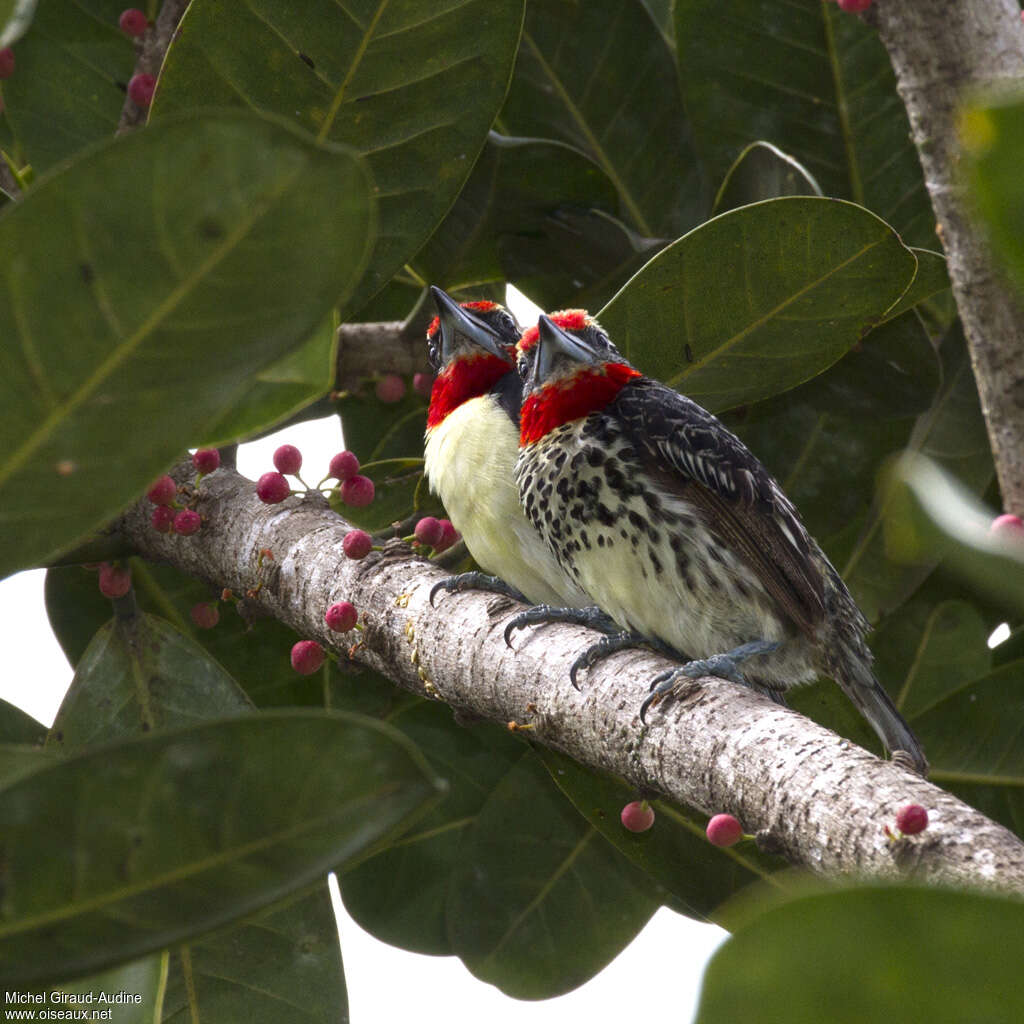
{"points": [[390, 388], [353, 489], [172, 516]]}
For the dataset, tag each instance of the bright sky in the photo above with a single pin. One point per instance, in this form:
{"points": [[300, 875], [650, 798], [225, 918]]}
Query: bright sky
{"points": [[661, 968]]}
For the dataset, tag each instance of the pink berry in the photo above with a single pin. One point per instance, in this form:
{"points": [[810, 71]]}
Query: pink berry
{"points": [[114, 581], [307, 657], [6, 62], [423, 384], [141, 89], [341, 616], [132, 22], [162, 518], [343, 466], [449, 535], [163, 492], [724, 830], [187, 522], [206, 460], [272, 488], [1009, 526], [357, 544], [390, 388], [205, 614], [854, 6], [637, 816], [912, 819], [288, 459], [429, 531], [357, 491]]}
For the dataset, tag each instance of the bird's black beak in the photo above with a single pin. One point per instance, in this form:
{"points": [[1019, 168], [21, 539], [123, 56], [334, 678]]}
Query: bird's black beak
{"points": [[555, 345], [455, 321]]}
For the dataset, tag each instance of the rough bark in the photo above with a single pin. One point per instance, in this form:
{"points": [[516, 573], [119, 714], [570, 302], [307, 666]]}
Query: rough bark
{"points": [[939, 54], [820, 800], [368, 349]]}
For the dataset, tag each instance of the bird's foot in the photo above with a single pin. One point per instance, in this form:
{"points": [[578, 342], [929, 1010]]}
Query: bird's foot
{"points": [[476, 581], [591, 616], [724, 666], [621, 641]]}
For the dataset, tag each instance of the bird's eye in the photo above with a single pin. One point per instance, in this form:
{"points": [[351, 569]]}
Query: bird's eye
{"points": [[507, 322]]}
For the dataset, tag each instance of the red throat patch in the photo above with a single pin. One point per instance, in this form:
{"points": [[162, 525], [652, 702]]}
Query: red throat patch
{"points": [[461, 380], [589, 390]]}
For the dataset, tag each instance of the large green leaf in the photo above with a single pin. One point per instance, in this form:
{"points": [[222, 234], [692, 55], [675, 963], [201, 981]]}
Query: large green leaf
{"points": [[412, 87], [143, 843], [864, 955], [993, 136], [185, 257], [601, 77], [73, 66], [816, 83], [516, 190], [140, 674], [282, 964], [142, 981], [540, 901], [760, 299], [696, 877], [402, 895], [16, 726]]}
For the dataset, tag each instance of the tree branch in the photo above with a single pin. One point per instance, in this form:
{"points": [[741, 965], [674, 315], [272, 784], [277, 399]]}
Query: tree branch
{"points": [[820, 800], [938, 55], [369, 349]]}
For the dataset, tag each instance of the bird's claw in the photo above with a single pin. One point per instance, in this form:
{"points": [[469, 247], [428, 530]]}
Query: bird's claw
{"points": [[475, 581]]}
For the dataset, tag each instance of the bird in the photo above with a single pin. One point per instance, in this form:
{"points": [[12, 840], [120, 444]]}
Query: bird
{"points": [[471, 445], [677, 531]]}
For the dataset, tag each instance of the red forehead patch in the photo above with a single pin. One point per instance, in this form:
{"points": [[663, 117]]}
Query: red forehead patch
{"points": [[480, 306], [567, 319], [434, 324]]}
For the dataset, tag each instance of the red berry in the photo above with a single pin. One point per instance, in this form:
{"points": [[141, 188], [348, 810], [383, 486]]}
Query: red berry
{"points": [[132, 22], [357, 544], [637, 816], [423, 384], [449, 535], [163, 492], [724, 830], [912, 819], [854, 6], [206, 460], [162, 518], [141, 89], [6, 62], [390, 388], [272, 488], [307, 657], [343, 466], [205, 614], [357, 491], [114, 581], [1008, 526], [288, 459], [429, 531], [341, 616], [187, 522]]}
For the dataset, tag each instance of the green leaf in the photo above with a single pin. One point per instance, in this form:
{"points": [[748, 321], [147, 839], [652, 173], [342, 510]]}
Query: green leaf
{"points": [[170, 298], [517, 187], [143, 981], [929, 514], [18, 760], [140, 674], [816, 83], [402, 894], [15, 18], [763, 171], [281, 389], [17, 726], [931, 279], [936, 955], [601, 77], [73, 67], [540, 902], [281, 964], [675, 853], [760, 299], [139, 845], [413, 88], [993, 138]]}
